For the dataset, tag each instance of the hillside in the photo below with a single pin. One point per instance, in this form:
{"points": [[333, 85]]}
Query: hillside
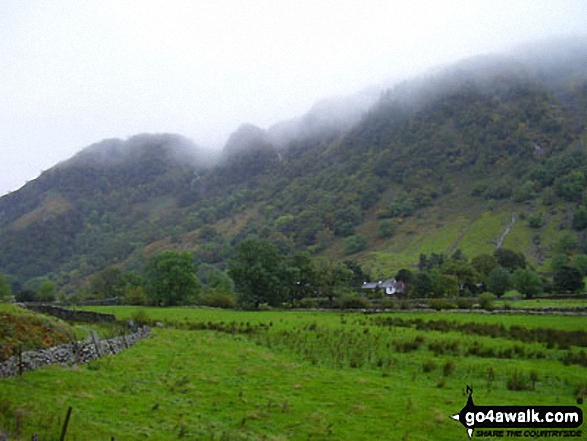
{"points": [[450, 160]]}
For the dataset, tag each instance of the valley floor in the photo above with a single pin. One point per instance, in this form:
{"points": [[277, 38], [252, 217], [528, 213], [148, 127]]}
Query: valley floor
{"points": [[235, 375]]}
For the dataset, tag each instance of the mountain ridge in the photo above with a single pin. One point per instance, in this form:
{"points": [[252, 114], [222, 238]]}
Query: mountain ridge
{"points": [[487, 138]]}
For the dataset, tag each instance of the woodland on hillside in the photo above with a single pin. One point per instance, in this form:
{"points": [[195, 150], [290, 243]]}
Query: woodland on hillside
{"points": [[491, 137]]}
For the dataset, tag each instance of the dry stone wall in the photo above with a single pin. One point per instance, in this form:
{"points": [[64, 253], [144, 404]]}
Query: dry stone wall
{"points": [[77, 352], [70, 315]]}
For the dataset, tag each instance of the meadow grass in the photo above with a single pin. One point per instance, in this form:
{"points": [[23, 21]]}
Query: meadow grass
{"points": [[275, 375]]}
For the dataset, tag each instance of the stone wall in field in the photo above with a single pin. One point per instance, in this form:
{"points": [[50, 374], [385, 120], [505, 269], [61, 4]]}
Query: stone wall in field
{"points": [[77, 352], [71, 315]]}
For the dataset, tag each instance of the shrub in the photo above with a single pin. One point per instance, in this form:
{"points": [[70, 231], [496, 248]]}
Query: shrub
{"points": [[26, 295], [218, 300], [486, 301], [307, 303], [439, 304], [428, 366], [404, 304], [354, 302], [463, 303], [448, 368], [386, 229], [354, 244], [140, 317], [580, 219], [517, 381], [581, 392], [134, 295], [535, 221], [389, 303]]}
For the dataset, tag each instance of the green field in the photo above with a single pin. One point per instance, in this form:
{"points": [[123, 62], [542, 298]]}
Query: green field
{"points": [[235, 375]]}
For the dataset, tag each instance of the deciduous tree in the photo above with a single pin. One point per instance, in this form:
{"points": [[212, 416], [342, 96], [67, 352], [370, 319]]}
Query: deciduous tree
{"points": [[527, 282], [567, 279], [499, 281], [172, 279], [259, 273], [5, 289]]}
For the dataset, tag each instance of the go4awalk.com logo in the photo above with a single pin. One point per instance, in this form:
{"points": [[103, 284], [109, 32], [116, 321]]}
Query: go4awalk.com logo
{"points": [[520, 421]]}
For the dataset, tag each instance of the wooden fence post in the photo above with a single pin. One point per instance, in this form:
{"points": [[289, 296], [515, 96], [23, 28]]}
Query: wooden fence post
{"points": [[19, 359], [65, 424]]}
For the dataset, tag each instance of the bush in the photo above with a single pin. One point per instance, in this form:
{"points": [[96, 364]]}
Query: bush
{"points": [[486, 301], [389, 303], [140, 317], [439, 304], [218, 300], [463, 303], [428, 366], [354, 302], [26, 295], [448, 368], [264, 307], [134, 295], [307, 303], [535, 221], [405, 304], [386, 229], [518, 382], [354, 244]]}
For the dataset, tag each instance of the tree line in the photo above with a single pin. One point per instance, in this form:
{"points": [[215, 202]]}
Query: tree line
{"points": [[261, 274]]}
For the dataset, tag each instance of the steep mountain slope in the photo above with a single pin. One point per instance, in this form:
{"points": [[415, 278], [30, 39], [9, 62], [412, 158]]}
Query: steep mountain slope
{"points": [[446, 161]]}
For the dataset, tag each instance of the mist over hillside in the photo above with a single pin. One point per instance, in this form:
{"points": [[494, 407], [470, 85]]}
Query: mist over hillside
{"points": [[453, 154], [114, 152]]}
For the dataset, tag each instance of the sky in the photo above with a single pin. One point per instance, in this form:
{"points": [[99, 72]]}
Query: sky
{"points": [[75, 72]]}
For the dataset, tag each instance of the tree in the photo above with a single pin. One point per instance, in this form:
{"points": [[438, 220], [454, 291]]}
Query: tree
{"points": [[535, 221], [558, 261], [354, 244], [464, 271], [580, 262], [404, 275], [134, 295], [565, 243], [26, 295], [220, 282], [359, 276], [450, 285], [423, 262], [302, 275], [527, 282], [570, 186], [458, 255], [5, 289], [47, 291], [107, 284], [499, 281], [509, 259], [567, 279], [422, 285], [259, 273], [386, 228], [346, 219], [580, 219], [332, 279], [172, 279], [484, 264]]}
